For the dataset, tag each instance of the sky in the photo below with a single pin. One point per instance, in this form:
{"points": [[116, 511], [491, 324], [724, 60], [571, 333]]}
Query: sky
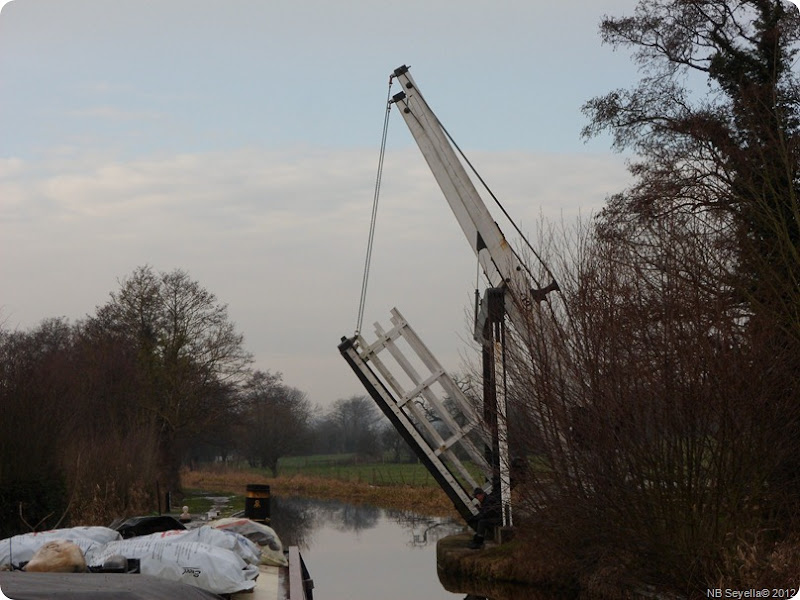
{"points": [[239, 141]]}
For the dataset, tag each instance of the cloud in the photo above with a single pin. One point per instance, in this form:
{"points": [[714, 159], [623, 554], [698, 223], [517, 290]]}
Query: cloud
{"points": [[114, 113], [279, 236]]}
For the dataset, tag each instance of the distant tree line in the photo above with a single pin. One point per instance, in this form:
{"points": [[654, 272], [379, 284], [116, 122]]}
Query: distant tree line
{"points": [[103, 412], [99, 416], [355, 426]]}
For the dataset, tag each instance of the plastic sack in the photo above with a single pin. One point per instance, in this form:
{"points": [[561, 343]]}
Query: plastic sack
{"points": [[57, 556], [264, 536], [221, 538], [99, 534], [201, 565], [21, 548]]}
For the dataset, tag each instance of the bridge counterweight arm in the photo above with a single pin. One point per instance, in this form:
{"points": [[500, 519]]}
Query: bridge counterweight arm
{"points": [[497, 259]]}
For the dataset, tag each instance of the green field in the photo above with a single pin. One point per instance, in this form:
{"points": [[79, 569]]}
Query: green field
{"points": [[346, 467]]}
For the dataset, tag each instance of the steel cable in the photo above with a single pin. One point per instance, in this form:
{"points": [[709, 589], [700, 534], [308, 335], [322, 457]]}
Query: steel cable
{"points": [[368, 259]]}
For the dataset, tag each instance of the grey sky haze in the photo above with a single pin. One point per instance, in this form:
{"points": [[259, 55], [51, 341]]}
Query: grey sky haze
{"points": [[239, 141]]}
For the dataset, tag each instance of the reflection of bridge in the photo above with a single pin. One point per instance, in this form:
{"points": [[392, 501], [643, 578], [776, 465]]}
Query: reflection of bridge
{"points": [[421, 539], [424, 529], [426, 406]]}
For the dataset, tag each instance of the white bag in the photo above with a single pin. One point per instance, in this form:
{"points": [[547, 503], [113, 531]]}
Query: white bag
{"points": [[221, 538], [99, 534], [264, 536], [214, 569], [21, 548]]}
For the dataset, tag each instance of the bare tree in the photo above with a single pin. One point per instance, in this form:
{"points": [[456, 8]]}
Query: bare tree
{"points": [[275, 418], [75, 444], [653, 415], [355, 421], [663, 388], [188, 348], [36, 371], [732, 153]]}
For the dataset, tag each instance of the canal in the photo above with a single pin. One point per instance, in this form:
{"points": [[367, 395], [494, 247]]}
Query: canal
{"points": [[355, 552]]}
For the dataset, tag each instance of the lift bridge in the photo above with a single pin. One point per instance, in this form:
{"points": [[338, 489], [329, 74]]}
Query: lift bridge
{"points": [[423, 403], [426, 406]]}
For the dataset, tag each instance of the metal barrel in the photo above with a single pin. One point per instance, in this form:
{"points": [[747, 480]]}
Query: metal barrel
{"points": [[256, 503]]}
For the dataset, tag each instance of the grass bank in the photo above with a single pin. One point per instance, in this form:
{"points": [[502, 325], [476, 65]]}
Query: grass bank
{"points": [[335, 482], [348, 467]]}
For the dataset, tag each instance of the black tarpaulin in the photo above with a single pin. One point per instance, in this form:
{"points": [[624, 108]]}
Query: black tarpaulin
{"points": [[136, 526]]}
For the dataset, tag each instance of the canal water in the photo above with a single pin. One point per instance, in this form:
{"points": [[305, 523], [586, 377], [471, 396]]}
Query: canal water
{"points": [[362, 552], [356, 552]]}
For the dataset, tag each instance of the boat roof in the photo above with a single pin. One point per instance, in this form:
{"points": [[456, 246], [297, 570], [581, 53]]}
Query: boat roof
{"points": [[96, 586]]}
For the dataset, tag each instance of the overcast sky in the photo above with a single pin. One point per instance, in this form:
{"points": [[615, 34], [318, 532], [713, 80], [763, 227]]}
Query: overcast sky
{"points": [[238, 140]]}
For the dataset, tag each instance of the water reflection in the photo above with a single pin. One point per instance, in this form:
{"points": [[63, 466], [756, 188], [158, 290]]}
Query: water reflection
{"points": [[423, 530], [356, 551], [293, 521], [296, 519]]}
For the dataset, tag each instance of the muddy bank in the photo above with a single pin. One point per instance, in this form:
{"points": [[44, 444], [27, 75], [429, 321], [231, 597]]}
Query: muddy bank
{"points": [[502, 572], [512, 571]]}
